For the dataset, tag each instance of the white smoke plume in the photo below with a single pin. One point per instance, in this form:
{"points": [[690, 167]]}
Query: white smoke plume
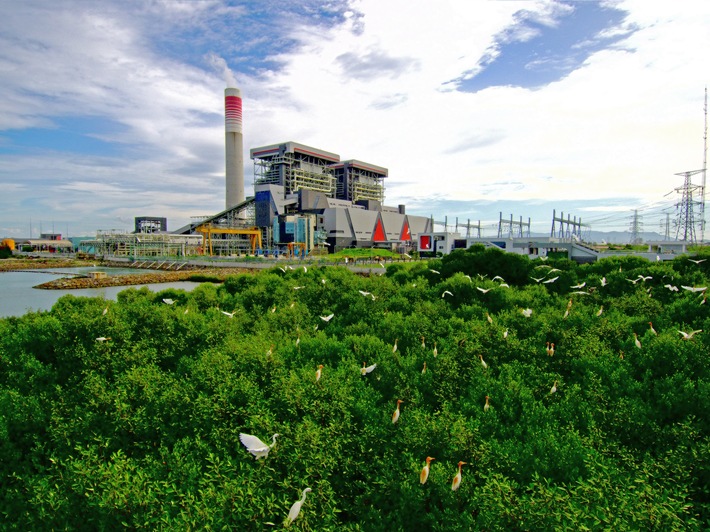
{"points": [[218, 63]]}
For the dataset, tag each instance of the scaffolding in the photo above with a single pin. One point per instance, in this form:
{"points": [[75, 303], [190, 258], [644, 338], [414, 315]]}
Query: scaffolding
{"points": [[120, 244], [295, 171]]}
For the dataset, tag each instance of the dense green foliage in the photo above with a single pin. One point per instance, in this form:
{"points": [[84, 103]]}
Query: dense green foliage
{"points": [[141, 430]]}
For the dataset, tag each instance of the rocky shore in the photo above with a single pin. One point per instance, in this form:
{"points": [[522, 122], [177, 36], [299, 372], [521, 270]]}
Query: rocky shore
{"points": [[149, 277]]}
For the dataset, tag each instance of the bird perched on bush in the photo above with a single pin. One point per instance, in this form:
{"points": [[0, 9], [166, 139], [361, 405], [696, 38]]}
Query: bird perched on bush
{"points": [[255, 446]]}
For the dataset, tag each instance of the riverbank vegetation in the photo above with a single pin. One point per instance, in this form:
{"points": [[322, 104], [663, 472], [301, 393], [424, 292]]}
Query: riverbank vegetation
{"points": [[569, 391]]}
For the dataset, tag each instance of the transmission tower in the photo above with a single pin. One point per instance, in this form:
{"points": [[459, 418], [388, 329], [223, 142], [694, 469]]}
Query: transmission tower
{"points": [[636, 228], [666, 227], [685, 221], [703, 190]]}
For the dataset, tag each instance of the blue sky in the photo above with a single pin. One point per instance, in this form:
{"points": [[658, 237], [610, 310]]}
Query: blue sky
{"points": [[114, 109]]}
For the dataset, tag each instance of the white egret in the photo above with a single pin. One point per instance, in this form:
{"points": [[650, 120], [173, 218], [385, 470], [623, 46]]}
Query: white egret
{"points": [[230, 314], [434, 271], [327, 318], [536, 279], [369, 369], [105, 311], [319, 372], [505, 334], [604, 283], [695, 288], [168, 301], [296, 508], [551, 280], [554, 387], [498, 278], [103, 338], [601, 309], [697, 261], [446, 293], [298, 287], [484, 290], [424, 475], [395, 415], [424, 368], [527, 312], [653, 331], [394, 347], [637, 342], [436, 352], [671, 287], [487, 405], [457, 479], [581, 285], [688, 336], [255, 446], [488, 318], [483, 362]]}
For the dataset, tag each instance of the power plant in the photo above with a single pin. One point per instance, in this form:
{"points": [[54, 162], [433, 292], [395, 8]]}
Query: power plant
{"points": [[309, 201]]}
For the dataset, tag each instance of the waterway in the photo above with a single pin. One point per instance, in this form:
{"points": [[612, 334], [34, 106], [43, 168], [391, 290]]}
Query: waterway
{"points": [[17, 297]]}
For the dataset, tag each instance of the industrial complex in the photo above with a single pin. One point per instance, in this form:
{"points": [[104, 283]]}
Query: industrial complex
{"points": [[309, 201]]}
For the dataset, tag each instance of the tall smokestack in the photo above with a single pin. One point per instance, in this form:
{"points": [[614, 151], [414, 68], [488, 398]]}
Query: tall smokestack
{"points": [[234, 146]]}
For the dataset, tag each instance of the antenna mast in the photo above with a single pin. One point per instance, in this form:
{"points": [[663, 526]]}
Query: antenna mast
{"points": [[705, 170]]}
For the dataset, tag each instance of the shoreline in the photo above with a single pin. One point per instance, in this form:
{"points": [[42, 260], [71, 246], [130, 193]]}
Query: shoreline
{"points": [[155, 276]]}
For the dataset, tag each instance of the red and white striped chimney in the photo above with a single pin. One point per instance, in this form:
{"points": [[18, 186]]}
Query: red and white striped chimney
{"points": [[234, 146]]}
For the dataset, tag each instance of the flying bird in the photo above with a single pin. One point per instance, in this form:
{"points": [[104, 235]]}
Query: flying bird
{"points": [[697, 261], [327, 318], [498, 278], [695, 288], [527, 312], [168, 301], [551, 280], [484, 290], [434, 271], [457, 479], [671, 287], [424, 475], [230, 314], [395, 415], [369, 369], [103, 338], [298, 287], [581, 285], [688, 336], [446, 293], [296, 508], [255, 446]]}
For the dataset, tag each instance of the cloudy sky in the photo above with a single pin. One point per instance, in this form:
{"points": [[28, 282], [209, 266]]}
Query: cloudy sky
{"points": [[114, 109]]}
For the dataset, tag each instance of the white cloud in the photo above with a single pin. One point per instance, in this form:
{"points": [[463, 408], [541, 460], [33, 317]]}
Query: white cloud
{"points": [[379, 87]]}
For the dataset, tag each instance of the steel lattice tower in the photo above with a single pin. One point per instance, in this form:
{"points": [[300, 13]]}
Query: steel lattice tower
{"points": [[685, 222], [635, 227]]}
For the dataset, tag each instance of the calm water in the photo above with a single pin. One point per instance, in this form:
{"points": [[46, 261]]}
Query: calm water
{"points": [[17, 296]]}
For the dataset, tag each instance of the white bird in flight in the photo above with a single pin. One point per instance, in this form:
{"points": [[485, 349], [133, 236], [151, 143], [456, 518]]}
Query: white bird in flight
{"points": [[484, 290], [369, 369], [694, 288], [581, 285], [434, 271], [255, 446], [103, 338], [296, 508], [698, 261], [168, 301], [671, 287], [527, 312], [230, 314], [327, 318], [551, 280], [446, 293], [498, 278], [688, 336]]}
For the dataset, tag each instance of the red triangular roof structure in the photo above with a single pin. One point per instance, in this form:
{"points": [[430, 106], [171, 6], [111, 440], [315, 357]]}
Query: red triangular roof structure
{"points": [[406, 234], [379, 233]]}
